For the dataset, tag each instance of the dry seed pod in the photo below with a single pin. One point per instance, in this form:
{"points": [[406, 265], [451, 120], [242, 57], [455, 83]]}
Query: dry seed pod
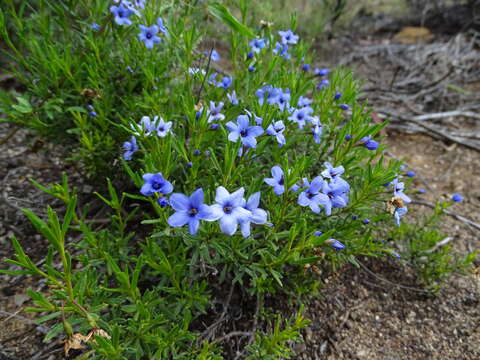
{"points": [[394, 203], [90, 94], [74, 342]]}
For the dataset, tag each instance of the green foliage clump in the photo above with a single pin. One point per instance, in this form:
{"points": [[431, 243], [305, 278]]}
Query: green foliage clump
{"points": [[157, 282]]}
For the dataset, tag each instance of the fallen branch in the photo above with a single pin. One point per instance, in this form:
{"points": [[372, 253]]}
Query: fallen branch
{"points": [[438, 245], [447, 114], [40, 328], [448, 212], [431, 129]]}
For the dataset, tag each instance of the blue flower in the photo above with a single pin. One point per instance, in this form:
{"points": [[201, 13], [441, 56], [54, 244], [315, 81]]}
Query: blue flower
{"points": [[398, 188], [163, 201], [149, 35], [212, 79], [395, 254], [337, 192], [146, 126], [129, 5], [162, 27], [258, 216], [398, 213], [422, 191], [303, 101], [317, 129], [95, 27], [276, 129], [225, 83], [324, 83], [250, 55], [258, 44], [301, 116], [215, 56], [281, 50], [140, 3], [213, 114], [244, 131], [278, 181], [306, 67], [233, 97], [296, 187], [369, 143], [121, 14], [282, 99], [162, 127], [197, 152], [92, 113], [321, 72], [288, 37], [332, 172], [337, 96], [366, 221], [258, 119], [273, 95], [410, 174], [130, 148], [337, 245], [251, 68], [264, 92], [190, 210], [229, 209], [318, 233], [344, 106], [155, 183], [312, 196], [457, 197], [348, 137]]}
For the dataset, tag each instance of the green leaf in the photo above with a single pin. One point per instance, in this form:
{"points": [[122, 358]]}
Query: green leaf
{"points": [[222, 13]]}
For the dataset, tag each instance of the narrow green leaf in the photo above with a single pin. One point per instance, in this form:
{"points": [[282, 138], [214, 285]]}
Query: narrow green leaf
{"points": [[222, 13]]}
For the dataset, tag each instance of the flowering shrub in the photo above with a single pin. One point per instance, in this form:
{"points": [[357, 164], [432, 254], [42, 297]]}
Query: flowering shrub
{"points": [[246, 175]]}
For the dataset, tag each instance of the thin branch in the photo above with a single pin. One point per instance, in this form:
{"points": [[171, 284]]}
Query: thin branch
{"points": [[40, 328], [389, 282], [232, 334], [451, 213], [446, 114], [438, 245]]}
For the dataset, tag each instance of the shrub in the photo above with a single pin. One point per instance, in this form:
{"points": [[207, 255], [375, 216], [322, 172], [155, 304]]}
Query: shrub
{"points": [[248, 176]]}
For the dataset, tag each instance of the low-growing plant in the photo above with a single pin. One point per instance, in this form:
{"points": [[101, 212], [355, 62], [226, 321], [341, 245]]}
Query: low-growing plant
{"points": [[429, 251], [251, 169]]}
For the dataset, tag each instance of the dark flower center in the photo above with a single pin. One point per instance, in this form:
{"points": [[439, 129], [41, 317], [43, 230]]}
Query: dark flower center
{"points": [[300, 116], [193, 211], [148, 35], [161, 128], [281, 181], [156, 185], [310, 195], [244, 132], [227, 209]]}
